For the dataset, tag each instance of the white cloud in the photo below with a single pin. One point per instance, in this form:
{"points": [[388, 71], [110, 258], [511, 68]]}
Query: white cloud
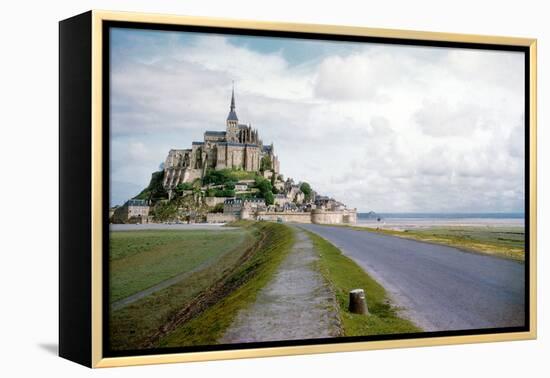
{"points": [[438, 118]]}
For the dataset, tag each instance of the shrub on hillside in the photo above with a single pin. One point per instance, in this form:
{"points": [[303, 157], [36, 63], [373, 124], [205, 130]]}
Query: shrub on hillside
{"points": [[154, 191]]}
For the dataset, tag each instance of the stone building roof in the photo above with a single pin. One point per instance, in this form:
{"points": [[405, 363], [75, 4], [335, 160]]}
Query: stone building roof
{"points": [[198, 143], [215, 133], [235, 144], [231, 201], [137, 202]]}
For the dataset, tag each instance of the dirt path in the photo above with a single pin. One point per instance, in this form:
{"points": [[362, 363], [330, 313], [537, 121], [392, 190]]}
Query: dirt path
{"points": [[296, 304]]}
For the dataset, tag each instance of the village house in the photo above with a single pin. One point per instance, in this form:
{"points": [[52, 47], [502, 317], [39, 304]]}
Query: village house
{"points": [[133, 211]]}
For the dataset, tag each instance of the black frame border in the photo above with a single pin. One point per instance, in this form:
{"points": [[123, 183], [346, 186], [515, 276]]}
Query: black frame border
{"points": [[75, 194]]}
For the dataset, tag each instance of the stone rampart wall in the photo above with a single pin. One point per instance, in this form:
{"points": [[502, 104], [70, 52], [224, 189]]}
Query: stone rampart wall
{"points": [[287, 217], [327, 217], [213, 201], [220, 218]]}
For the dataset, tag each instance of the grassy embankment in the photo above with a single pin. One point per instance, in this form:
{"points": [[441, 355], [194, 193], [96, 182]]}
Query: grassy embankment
{"points": [[209, 326], [199, 307], [344, 275], [508, 242], [141, 259]]}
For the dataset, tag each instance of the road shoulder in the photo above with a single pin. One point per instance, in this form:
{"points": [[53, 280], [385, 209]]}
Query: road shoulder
{"points": [[298, 303]]}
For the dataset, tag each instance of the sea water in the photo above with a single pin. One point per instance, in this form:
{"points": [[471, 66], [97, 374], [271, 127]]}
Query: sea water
{"points": [[423, 220]]}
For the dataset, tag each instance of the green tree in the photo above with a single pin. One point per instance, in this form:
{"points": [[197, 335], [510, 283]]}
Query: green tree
{"points": [[227, 193], [218, 208], [224, 176], [214, 177], [265, 163], [306, 189], [180, 188], [230, 185], [269, 198], [220, 193], [265, 188], [262, 184]]}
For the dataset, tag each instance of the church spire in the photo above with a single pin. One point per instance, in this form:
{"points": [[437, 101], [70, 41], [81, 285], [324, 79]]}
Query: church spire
{"points": [[232, 116], [233, 97]]}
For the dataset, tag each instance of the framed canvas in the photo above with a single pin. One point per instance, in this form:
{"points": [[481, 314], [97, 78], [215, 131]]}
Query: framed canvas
{"points": [[234, 189]]}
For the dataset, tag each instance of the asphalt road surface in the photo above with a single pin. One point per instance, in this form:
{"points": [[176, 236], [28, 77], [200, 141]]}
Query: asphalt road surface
{"points": [[439, 288]]}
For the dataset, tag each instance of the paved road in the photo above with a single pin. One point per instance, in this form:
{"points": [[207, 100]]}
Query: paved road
{"points": [[438, 287], [296, 304]]}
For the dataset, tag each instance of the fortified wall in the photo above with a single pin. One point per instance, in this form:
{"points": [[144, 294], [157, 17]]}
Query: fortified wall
{"points": [[286, 217], [220, 218], [213, 201], [346, 216], [317, 216]]}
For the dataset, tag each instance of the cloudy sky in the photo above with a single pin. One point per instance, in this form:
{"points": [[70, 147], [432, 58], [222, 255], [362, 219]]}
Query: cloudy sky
{"points": [[386, 128]]}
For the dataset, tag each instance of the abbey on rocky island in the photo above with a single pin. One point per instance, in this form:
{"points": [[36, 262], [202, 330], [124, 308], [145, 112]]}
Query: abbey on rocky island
{"points": [[263, 195], [238, 147]]}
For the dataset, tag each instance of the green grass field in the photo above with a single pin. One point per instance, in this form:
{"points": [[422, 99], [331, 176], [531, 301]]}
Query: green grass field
{"points": [[141, 259], [208, 327], [131, 326], [345, 275], [508, 242]]}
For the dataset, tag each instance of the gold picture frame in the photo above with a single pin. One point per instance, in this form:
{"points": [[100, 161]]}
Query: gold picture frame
{"points": [[91, 328]]}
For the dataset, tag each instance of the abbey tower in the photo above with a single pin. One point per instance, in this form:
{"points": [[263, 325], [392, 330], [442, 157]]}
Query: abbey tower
{"points": [[232, 122], [238, 147]]}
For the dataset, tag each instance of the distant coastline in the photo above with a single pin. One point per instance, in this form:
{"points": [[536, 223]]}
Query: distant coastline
{"points": [[448, 215], [423, 220]]}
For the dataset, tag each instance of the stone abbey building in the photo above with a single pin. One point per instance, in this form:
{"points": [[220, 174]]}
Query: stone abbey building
{"points": [[238, 147]]}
